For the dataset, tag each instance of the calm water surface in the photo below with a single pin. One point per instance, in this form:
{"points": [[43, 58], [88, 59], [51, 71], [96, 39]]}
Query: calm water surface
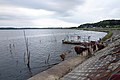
{"points": [[42, 42]]}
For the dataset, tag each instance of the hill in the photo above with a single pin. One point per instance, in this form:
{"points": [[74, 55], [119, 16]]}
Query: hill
{"points": [[102, 24]]}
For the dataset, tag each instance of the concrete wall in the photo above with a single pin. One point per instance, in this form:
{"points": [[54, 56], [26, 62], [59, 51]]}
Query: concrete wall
{"points": [[58, 71]]}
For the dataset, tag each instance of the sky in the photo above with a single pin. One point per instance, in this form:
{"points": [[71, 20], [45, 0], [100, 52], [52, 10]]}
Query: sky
{"points": [[56, 13]]}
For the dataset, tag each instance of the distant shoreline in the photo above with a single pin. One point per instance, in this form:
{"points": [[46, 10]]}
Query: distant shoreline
{"points": [[12, 28]]}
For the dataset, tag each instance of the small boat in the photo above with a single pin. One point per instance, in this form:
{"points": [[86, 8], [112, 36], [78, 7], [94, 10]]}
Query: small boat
{"points": [[70, 42], [75, 39]]}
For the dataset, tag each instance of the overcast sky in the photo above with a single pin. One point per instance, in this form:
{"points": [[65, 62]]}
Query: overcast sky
{"points": [[56, 13]]}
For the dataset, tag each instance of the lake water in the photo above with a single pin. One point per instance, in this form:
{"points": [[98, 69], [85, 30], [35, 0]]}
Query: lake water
{"points": [[42, 43]]}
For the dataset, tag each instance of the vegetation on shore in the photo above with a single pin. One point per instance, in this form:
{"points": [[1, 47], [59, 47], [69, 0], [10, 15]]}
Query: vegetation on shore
{"points": [[102, 24], [107, 36]]}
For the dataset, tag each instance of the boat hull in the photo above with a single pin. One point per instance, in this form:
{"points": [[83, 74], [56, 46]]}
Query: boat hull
{"points": [[68, 42]]}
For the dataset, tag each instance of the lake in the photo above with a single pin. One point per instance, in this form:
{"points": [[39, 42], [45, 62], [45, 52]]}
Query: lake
{"points": [[42, 43]]}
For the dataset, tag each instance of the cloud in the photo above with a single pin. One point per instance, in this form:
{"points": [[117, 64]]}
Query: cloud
{"points": [[93, 11], [56, 12], [13, 12], [17, 16], [59, 6], [53, 23]]}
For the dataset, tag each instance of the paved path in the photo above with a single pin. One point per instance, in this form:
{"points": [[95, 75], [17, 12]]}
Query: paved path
{"points": [[97, 66]]}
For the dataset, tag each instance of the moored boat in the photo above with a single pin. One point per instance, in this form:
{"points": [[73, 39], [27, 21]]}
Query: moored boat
{"points": [[75, 39]]}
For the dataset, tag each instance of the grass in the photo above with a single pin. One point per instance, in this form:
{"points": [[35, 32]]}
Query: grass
{"points": [[107, 36]]}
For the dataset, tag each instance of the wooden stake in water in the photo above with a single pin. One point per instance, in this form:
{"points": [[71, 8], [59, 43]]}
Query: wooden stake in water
{"points": [[27, 54], [48, 58]]}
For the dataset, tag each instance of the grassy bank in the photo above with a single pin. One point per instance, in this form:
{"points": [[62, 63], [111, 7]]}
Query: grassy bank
{"points": [[109, 34]]}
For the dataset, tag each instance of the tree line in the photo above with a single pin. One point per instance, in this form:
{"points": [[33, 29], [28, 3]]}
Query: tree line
{"points": [[102, 24]]}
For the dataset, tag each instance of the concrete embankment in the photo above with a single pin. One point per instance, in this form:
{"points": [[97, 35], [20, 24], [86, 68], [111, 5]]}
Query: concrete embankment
{"points": [[58, 71]]}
